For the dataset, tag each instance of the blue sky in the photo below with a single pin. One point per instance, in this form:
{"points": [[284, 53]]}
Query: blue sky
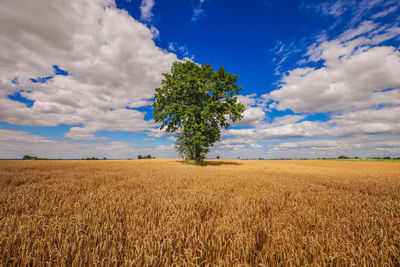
{"points": [[319, 78]]}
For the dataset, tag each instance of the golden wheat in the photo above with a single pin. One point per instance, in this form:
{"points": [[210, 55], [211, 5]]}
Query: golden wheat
{"points": [[161, 212]]}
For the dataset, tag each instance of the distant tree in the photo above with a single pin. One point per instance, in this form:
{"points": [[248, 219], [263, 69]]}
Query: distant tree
{"points": [[343, 157], [195, 102], [27, 157], [145, 157], [92, 158], [387, 158], [217, 157]]}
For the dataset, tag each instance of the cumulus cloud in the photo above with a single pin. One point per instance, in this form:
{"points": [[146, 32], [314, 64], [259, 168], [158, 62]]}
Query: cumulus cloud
{"points": [[251, 116], [156, 132], [288, 119], [110, 57], [81, 134], [356, 123], [354, 76], [254, 112]]}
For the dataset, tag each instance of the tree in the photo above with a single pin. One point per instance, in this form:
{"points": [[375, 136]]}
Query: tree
{"points": [[195, 102], [139, 157], [27, 157]]}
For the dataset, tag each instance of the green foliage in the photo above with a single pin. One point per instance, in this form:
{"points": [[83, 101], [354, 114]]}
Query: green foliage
{"points": [[145, 157], [195, 102], [27, 157], [343, 157]]}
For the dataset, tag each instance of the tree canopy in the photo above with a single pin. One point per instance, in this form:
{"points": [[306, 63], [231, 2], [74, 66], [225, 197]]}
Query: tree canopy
{"points": [[195, 102]]}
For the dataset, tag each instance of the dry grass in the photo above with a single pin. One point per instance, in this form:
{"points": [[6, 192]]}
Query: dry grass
{"points": [[160, 212]]}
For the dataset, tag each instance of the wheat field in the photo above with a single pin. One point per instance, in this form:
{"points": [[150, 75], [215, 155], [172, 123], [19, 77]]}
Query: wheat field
{"points": [[162, 212]]}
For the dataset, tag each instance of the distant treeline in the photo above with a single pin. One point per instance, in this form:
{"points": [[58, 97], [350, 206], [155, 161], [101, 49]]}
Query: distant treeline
{"points": [[345, 157], [145, 157], [93, 158], [27, 157], [340, 157]]}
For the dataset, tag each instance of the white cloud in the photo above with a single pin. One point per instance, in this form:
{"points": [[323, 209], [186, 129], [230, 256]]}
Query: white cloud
{"points": [[247, 100], [251, 116], [111, 58], [16, 144], [353, 76], [385, 12], [335, 8], [240, 132], [79, 133], [368, 122], [156, 132], [375, 146], [198, 11], [172, 138], [294, 130], [171, 47], [165, 148], [288, 119], [155, 32], [359, 10], [255, 145], [324, 144], [254, 112], [145, 10]]}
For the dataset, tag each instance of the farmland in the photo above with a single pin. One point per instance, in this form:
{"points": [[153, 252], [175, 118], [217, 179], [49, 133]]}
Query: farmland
{"points": [[231, 212]]}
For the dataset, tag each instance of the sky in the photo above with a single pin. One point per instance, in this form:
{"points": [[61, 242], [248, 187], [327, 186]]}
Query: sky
{"points": [[318, 78]]}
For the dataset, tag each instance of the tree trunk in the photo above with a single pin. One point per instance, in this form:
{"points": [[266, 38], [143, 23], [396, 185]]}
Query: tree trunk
{"points": [[197, 156]]}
